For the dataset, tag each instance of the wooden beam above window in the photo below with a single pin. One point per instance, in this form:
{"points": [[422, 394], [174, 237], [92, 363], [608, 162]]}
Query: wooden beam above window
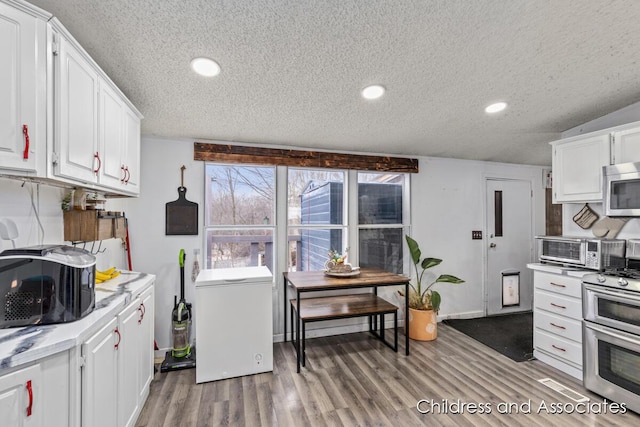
{"points": [[300, 158]]}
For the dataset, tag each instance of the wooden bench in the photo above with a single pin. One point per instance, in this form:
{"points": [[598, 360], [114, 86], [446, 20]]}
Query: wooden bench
{"points": [[342, 307]]}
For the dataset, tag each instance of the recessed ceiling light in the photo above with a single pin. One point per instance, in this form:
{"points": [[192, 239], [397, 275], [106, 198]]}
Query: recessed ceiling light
{"points": [[205, 67], [373, 92], [495, 108]]}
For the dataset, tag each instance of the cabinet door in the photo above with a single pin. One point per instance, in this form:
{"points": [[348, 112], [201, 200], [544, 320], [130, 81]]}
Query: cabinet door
{"points": [[99, 377], [132, 151], [20, 398], [22, 90], [112, 137], [626, 146], [145, 371], [76, 115], [128, 356], [577, 169]]}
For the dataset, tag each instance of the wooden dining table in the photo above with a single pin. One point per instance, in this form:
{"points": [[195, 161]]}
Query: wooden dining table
{"points": [[316, 281]]}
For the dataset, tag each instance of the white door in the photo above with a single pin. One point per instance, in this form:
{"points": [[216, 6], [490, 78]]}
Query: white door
{"points": [[509, 285]]}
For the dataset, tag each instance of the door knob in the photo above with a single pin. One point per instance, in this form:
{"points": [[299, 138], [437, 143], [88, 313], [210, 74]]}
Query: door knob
{"points": [[492, 245]]}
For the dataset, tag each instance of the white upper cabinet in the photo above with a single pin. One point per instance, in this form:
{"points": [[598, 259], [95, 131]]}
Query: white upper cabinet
{"points": [[577, 168], [97, 131], [61, 117], [77, 156], [626, 145], [23, 90], [577, 161], [119, 142]]}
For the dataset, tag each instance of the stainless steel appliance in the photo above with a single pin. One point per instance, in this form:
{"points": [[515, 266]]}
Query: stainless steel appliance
{"points": [[621, 189], [45, 284], [591, 253], [611, 334]]}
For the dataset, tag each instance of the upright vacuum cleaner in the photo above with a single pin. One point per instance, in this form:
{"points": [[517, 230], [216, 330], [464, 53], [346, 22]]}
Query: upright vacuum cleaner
{"points": [[181, 355]]}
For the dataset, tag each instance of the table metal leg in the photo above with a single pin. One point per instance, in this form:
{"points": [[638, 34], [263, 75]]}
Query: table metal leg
{"points": [[284, 307], [304, 338], [298, 329], [406, 318], [395, 331]]}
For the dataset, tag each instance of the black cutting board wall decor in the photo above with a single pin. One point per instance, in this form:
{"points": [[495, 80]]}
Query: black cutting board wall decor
{"points": [[181, 214]]}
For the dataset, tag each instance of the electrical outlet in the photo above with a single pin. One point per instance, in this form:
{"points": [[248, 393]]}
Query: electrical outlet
{"points": [[258, 359], [476, 235]]}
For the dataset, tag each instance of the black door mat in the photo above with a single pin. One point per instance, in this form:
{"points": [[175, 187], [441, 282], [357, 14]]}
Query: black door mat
{"points": [[509, 334]]}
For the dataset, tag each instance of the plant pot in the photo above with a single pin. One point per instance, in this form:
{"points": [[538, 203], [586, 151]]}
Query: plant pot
{"points": [[423, 325]]}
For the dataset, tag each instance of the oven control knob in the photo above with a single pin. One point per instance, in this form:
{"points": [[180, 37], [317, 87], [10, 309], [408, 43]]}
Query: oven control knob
{"points": [[601, 278], [622, 281]]}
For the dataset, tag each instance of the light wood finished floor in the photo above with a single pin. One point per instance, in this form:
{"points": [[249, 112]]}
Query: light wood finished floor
{"points": [[355, 380]]}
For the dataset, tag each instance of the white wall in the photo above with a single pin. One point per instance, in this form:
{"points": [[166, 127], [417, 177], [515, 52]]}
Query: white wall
{"points": [[448, 202]]}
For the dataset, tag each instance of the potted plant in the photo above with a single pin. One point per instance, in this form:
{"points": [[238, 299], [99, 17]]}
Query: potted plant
{"points": [[424, 302]]}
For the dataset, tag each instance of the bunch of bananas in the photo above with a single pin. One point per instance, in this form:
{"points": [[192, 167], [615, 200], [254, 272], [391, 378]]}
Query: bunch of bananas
{"points": [[102, 276]]}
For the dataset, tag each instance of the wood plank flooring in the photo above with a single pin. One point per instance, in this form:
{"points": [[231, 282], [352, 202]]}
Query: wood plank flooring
{"points": [[355, 380]]}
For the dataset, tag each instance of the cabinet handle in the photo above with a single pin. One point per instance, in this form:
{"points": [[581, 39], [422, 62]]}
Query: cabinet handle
{"points": [[117, 344], [557, 326], [558, 285], [124, 174], [142, 310], [25, 132], [97, 156], [558, 306], [126, 169], [30, 392], [558, 348]]}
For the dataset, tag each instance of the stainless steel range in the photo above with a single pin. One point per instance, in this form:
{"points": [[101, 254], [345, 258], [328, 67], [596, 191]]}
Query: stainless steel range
{"points": [[611, 334]]}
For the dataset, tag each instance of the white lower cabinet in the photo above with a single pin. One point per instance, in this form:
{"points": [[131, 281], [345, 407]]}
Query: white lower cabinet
{"points": [[36, 395], [20, 394], [99, 377], [557, 321], [118, 366]]}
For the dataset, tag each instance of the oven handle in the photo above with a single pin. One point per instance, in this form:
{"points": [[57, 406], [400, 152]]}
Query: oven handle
{"points": [[611, 332], [619, 294]]}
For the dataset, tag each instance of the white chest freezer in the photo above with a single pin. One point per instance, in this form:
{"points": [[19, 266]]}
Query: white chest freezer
{"points": [[233, 322]]}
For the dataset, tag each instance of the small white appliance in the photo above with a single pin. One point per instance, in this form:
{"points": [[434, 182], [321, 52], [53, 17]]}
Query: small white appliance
{"points": [[621, 189], [233, 322]]}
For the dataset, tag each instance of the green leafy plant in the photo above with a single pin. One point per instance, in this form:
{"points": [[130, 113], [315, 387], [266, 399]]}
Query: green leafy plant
{"points": [[423, 297]]}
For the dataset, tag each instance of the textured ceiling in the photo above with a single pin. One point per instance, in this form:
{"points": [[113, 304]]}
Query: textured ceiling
{"points": [[292, 70]]}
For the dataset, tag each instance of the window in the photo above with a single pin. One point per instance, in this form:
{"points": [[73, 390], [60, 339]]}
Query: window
{"points": [[316, 217], [239, 216], [364, 212], [381, 220]]}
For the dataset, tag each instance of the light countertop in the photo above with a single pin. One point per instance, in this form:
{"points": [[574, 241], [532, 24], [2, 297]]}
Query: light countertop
{"points": [[19, 346], [559, 269]]}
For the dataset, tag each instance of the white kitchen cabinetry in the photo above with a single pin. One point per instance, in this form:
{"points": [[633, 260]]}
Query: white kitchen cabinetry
{"points": [[119, 366], [119, 141], [97, 132], [76, 152], [100, 378], [577, 168], [20, 396], [23, 89], [557, 321], [36, 395], [626, 145], [577, 161]]}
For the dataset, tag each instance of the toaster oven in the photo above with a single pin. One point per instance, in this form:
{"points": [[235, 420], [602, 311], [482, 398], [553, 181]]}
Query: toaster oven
{"points": [[45, 284], [590, 253]]}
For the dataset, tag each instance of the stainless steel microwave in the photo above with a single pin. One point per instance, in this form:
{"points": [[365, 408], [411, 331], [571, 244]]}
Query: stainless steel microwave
{"points": [[591, 253], [621, 189]]}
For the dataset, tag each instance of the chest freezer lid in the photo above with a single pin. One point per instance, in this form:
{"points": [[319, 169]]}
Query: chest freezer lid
{"points": [[230, 276]]}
